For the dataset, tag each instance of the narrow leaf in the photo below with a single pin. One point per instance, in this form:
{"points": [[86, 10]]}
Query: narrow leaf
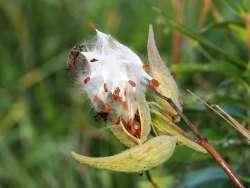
{"points": [[200, 39]]}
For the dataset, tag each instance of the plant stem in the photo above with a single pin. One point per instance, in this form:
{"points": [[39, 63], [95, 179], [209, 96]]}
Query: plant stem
{"points": [[151, 180], [229, 119], [177, 38], [204, 143]]}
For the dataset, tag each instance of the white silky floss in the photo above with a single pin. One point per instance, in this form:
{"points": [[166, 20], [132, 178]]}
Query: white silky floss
{"points": [[112, 65]]}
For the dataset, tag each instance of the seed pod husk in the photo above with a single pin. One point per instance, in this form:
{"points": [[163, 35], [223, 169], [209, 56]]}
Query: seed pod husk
{"points": [[145, 122], [160, 72], [136, 159], [163, 126]]}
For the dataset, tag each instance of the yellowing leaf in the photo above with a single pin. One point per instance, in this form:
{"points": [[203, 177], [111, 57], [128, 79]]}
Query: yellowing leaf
{"points": [[136, 159]]}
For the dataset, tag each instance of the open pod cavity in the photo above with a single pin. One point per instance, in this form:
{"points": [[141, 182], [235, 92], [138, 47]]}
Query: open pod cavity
{"points": [[142, 119]]}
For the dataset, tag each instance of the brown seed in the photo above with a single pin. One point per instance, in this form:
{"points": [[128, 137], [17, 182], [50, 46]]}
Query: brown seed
{"points": [[86, 80], [135, 128], [117, 91], [118, 120], [105, 87], [93, 60], [123, 122], [154, 83], [116, 96], [132, 83], [106, 108], [146, 67]]}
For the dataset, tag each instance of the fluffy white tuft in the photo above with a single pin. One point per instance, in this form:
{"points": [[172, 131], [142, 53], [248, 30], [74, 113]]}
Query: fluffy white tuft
{"points": [[114, 78]]}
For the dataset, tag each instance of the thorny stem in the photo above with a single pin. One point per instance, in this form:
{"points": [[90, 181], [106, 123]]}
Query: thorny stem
{"points": [[204, 143], [150, 179]]}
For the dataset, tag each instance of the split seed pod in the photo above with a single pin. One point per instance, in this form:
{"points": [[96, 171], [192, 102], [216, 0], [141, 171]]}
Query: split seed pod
{"points": [[145, 126], [136, 159], [163, 115], [160, 72], [114, 78]]}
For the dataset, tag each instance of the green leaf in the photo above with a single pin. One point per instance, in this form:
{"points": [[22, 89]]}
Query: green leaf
{"points": [[239, 7], [225, 69], [200, 39]]}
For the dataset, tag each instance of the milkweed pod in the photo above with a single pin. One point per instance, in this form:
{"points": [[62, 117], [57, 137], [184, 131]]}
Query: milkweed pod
{"points": [[167, 85], [145, 126], [163, 126], [136, 159]]}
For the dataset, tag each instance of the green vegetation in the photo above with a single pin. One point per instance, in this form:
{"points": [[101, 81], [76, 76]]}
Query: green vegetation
{"points": [[44, 116]]}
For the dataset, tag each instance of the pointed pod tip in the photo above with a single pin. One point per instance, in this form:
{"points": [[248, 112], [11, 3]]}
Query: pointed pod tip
{"points": [[73, 154], [150, 31], [151, 38], [78, 157], [150, 26]]}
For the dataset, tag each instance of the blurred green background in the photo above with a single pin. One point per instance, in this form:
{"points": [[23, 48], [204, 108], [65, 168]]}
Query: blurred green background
{"points": [[44, 116]]}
